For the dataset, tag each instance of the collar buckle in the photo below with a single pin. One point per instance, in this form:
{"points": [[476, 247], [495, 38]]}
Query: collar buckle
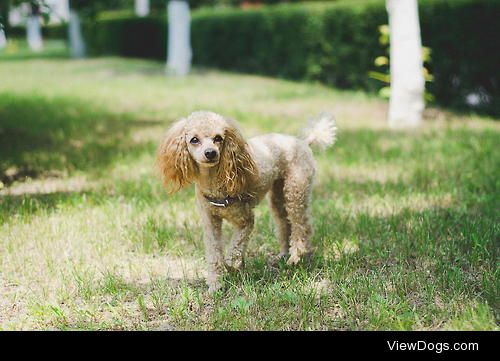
{"points": [[227, 201], [224, 203]]}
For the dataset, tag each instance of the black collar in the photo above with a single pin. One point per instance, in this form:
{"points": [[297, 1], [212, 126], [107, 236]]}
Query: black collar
{"points": [[226, 202]]}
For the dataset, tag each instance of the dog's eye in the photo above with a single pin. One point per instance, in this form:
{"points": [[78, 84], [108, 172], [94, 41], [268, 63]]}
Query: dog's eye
{"points": [[194, 140], [218, 139]]}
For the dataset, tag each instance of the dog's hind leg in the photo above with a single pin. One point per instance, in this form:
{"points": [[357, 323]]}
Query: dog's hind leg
{"points": [[297, 191], [283, 226]]}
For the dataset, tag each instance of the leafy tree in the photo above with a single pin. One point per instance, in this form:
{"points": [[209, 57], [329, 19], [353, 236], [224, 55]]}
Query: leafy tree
{"points": [[38, 10], [4, 14]]}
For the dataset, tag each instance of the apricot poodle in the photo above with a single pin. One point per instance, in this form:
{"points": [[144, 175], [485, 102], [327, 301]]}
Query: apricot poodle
{"points": [[232, 176]]}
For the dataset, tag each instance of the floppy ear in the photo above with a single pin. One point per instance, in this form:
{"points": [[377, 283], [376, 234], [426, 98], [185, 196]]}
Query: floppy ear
{"points": [[177, 167], [237, 170]]}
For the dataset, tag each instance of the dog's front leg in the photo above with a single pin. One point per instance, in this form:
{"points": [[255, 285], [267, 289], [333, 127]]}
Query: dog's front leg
{"points": [[243, 229], [212, 238]]}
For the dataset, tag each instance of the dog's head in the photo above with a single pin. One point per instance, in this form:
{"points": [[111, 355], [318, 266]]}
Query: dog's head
{"points": [[206, 140]]}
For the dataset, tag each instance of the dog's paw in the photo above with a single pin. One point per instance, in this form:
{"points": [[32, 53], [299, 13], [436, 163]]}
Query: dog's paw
{"points": [[283, 254], [278, 259], [234, 260], [293, 260], [214, 286], [299, 252], [214, 279], [234, 264]]}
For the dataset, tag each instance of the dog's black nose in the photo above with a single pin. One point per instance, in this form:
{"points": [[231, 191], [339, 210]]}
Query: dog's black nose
{"points": [[210, 153]]}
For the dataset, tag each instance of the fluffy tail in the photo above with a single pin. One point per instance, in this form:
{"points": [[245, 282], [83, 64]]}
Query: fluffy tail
{"points": [[322, 132]]}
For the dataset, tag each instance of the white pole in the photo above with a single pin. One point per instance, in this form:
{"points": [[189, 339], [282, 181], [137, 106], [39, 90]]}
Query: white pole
{"points": [[76, 41], [407, 80], [179, 45], [59, 11], [34, 33], [62, 10], [3, 39], [142, 7]]}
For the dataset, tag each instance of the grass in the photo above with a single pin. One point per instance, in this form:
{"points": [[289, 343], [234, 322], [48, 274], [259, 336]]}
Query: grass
{"points": [[406, 223]]}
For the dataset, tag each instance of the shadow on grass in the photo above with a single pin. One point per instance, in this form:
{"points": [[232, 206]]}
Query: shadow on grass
{"points": [[42, 136], [423, 255], [28, 205]]}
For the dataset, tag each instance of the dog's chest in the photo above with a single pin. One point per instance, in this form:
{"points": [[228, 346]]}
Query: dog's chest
{"points": [[237, 213]]}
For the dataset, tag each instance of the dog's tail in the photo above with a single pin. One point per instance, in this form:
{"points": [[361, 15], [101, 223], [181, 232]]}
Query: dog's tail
{"points": [[322, 132]]}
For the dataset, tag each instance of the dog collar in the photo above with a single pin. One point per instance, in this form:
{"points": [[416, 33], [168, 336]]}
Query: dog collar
{"points": [[226, 202]]}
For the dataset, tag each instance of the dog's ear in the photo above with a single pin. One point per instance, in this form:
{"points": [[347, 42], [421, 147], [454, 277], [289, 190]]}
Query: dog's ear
{"points": [[237, 170], [177, 167]]}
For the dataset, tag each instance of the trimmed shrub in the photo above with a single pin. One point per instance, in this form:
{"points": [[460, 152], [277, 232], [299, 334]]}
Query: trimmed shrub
{"points": [[132, 37], [51, 32], [335, 43], [463, 36]]}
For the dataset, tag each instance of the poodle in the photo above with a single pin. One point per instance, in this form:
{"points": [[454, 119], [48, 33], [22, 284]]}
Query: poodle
{"points": [[232, 176]]}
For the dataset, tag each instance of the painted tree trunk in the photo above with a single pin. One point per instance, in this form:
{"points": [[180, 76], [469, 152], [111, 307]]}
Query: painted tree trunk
{"points": [[34, 33], [407, 80], [3, 39], [59, 10], [179, 44], [142, 7], [76, 42]]}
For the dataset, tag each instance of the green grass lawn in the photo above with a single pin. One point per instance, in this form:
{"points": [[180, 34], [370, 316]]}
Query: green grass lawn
{"points": [[406, 223]]}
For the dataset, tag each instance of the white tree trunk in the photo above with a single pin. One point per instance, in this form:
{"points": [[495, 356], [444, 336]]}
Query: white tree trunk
{"points": [[76, 42], [3, 39], [407, 80], [179, 45], [142, 7], [34, 33], [59, 10]]}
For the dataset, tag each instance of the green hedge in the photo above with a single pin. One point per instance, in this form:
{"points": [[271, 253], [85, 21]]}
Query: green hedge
{"points": [[133, 37], [335, 43], [51, 31], [464, 38], [291, 41]]}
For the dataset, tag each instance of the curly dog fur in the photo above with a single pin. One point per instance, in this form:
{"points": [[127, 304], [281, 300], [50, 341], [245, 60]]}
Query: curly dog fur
{"points": [[232, 176]]}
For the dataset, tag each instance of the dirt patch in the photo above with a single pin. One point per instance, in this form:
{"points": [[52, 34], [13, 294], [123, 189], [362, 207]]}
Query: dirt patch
{"points": [[46, 186], [15, 174], [22, 174]]}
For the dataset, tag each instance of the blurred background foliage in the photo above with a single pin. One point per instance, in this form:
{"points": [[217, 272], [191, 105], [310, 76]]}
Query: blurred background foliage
{"points": [[382, 63], [334, 42]]}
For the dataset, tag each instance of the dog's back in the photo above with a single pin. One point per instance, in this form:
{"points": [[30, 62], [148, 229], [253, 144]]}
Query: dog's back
{"points": [[276, 153]]}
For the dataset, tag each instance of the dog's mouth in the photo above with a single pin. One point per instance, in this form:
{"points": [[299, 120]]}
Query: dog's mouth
{"points": [[209, 163]]}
